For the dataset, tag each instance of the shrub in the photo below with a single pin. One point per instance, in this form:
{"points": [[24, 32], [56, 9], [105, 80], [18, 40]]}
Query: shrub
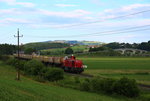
{"points": [[107, 85], [126, 87], [76, 79], [12, 61], [54, 74], [96, 85], [102, 85], [4, 57], [85, 85], [33, 67], [69, 51], [68, 82], [21, 64]]}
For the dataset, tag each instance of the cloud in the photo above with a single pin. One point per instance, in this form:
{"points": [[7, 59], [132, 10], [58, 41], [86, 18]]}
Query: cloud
{"points": [[41, 16], [78, 13], [125, 10], [65, 5], [8, 1], [12, 21], [135, 6], [97, 2], [17, 12], [14, 2], [70, 14]]}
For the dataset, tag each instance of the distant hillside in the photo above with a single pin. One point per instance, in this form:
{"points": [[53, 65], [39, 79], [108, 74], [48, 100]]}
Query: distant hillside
{"points": [[72, 42], [45, 45]]}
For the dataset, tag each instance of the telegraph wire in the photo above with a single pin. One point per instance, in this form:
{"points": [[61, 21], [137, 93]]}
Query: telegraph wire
{"points": [[122, 16], [103, 32], [124, 32]]}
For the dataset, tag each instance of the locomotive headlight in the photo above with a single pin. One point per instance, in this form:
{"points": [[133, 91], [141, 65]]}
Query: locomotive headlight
{"points": [[84, 66]]}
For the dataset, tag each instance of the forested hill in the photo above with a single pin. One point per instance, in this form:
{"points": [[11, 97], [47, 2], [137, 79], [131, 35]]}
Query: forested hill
{"points": [[142, 46], [45, 45]]}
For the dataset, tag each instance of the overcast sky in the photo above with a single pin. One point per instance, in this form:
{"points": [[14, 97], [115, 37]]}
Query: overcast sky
{"points": [[42, 20]]}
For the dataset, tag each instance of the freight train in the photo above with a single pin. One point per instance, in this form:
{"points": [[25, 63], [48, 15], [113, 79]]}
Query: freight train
{"points": [[67, 63]]}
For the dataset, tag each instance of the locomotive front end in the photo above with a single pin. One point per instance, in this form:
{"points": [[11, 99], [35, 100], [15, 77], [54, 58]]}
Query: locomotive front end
{"points": [[71, 64]]}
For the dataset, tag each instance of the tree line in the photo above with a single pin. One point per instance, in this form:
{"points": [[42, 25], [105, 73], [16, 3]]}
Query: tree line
{"points": [[7, 49], [117, 45], [142, 46]]}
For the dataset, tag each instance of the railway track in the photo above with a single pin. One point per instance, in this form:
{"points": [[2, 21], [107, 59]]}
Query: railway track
{"points": [[145, 87], [81, 75], [141, 86]]}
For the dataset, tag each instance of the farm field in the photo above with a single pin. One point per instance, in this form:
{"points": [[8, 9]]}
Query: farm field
{"points": [[135, 68], [30, 90], [117, 63], [61, 51]]}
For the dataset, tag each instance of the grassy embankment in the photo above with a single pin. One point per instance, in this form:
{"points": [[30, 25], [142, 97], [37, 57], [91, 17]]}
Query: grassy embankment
{"points": [[134, 68], [30, 90]]}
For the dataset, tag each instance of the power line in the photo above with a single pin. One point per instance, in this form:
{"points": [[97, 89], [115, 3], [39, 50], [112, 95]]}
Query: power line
{"points": [[125, 32], [107, 33], [122, 16], [103, 32]]}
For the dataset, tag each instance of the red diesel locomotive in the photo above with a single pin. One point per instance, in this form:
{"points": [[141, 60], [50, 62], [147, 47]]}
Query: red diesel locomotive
{"points": [[67, 63], [71, 64]]}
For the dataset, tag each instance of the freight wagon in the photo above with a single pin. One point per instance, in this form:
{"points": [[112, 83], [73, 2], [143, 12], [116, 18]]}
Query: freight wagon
{"points": [[67, 63]]}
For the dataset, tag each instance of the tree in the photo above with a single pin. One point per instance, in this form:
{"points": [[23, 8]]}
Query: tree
{"points": [[114, 45], [69, 51], [29, 50], [144, 46]]}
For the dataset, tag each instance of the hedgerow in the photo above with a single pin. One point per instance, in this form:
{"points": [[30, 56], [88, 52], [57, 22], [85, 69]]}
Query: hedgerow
{"points": [[33, 67], [126, 87], [53, 74], [123, 86]]}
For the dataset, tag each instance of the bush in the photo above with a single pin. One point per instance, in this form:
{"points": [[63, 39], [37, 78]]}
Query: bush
{"points": [[4, 57], [69, 51], [21, 64], [33, 67], [126, 87], [76, 80], [54, 74], [68, 82], [12, 62], [102, 85], [85, 85], [107, 85], [96, 85]]}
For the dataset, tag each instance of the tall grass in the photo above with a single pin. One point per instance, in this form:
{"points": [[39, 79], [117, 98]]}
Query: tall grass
{"points": [[29, 90]]}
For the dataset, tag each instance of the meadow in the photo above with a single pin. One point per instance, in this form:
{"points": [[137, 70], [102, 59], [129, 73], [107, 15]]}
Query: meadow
{"points": [[134, 68], [60, 51], [30, 90]]}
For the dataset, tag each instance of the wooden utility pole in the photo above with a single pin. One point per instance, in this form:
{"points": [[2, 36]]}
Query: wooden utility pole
{"points": [[18, 51]]}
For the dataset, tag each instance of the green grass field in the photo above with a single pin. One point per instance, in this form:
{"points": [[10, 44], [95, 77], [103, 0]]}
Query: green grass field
{"points": [[30, 90], [117, 63], [135, 68]]}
